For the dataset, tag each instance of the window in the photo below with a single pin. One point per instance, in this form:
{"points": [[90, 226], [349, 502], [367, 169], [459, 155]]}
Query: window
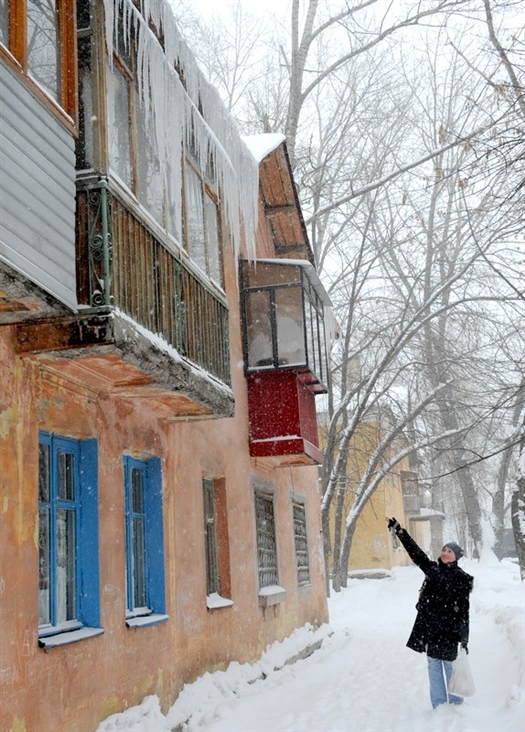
{"points": [[68, 592], [216, 544], [210, 538], [283, 318], [119, 93], [4, 22], [301, 544], [145, 593], [181, 195], [269, 591], [266, 542], [41, 37], [202, 231], [133, 155]]}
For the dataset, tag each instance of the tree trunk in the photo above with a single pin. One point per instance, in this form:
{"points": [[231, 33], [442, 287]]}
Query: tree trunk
{"points": [[498, 499], [327, 549], [460, 461], [336, 557], [345, 554], [518, 507], [518, 522]]}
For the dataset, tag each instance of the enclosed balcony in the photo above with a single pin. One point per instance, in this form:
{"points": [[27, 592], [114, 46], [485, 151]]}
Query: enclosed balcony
{"points": [[286, 360], [284, 318], [148, 326]]}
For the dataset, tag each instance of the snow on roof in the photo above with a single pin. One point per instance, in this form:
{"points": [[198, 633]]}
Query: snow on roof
{"points": [[160, 342], [262, 145], [309, 270]]}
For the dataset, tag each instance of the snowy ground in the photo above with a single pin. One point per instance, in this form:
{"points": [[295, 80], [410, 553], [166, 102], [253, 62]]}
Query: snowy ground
{"points": [[363, 678]]}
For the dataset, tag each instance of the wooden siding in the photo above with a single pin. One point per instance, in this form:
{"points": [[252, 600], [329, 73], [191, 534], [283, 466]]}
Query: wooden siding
{"points": [[37, 191], [282, 207]]}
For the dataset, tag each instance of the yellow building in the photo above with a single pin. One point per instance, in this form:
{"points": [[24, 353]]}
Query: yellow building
{"points": [[399, 494]]}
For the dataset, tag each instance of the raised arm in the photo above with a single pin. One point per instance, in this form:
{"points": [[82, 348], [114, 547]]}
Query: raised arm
{"points": [[416, 554]]}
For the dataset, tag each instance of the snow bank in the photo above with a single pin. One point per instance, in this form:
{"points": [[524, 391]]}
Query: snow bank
{"points": [[201, 698], [363, 657]]}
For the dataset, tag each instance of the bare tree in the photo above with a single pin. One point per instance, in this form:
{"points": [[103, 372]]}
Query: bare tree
{"points": [[436, 262], [518, 505], [407, 203]]}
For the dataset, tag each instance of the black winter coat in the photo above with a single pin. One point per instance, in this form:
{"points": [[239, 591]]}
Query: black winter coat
{"points": [[442, 620]]}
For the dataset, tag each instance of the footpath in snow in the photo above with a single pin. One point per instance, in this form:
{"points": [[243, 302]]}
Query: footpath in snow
{"points": [[363, 678]]}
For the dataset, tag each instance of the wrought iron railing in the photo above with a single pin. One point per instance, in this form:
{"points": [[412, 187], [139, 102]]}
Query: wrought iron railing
{"points": [[121, 263]]}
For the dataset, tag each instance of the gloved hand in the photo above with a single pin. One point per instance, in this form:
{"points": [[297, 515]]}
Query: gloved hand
{"points": [[464, 645], [393, 524]]}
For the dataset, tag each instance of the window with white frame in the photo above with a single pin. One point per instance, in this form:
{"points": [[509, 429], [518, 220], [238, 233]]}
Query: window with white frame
{"points": [[145, 590], [68, 590], [301, 544]]}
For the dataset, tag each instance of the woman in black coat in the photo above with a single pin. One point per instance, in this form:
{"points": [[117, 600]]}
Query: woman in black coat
{"points": [[442, 621]]}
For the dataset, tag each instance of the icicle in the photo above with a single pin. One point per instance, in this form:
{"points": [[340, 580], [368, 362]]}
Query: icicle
{"points": [[171, 111], [110, 14]]}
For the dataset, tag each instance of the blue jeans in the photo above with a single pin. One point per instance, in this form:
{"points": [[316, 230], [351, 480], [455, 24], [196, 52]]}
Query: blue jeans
{"points": [[438, 675]]}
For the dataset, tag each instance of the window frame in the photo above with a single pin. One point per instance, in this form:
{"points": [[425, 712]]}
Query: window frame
{"points": [[264, 291], [216, 543], [154, 571], [301, 543], [213, 580], [270, 592], [124, 62], [126, 76], [86, 549], [208, 194], [15, 53], [261, 497]]}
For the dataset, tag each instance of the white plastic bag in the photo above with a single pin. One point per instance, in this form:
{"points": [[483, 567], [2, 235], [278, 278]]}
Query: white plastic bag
{"points": [[461, 681]]}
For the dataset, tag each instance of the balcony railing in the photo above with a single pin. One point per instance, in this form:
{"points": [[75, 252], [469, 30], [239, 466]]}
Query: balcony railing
{"points": [[122, 264]]}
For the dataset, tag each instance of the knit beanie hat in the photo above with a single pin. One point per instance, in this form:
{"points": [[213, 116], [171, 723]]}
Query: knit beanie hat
{"points": [[458, 551]]}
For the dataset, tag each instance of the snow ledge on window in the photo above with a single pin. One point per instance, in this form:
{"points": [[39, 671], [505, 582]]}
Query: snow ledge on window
{"points": [[272, 595], [215, 601], [62, 639], [144, 621]]}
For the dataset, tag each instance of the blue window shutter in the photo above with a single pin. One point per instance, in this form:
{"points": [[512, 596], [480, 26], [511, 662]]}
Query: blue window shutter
{"points": [[127, 514], [89, 538], [155, 537]]}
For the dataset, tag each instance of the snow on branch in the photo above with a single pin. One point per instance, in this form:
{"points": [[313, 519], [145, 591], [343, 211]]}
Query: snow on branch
{"points": [[373, 185], [370, 481]]}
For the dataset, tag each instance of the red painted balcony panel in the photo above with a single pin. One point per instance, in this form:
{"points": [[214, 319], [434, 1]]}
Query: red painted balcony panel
{"points": [[283, 420]]}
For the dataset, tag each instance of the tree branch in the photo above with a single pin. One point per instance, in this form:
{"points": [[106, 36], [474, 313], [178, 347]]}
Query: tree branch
{"points": [[404, 169]]}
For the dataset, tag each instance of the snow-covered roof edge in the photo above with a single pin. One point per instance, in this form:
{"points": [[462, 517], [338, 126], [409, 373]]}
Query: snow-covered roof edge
{"points": [[310, 272], [262, 145]]}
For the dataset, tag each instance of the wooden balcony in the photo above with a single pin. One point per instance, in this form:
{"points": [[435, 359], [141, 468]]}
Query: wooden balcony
{"points": [[147, 326]]}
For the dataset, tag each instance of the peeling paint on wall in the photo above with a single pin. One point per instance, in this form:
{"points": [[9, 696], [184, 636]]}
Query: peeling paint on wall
{"points": [[18, 726], [9, 419]]}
